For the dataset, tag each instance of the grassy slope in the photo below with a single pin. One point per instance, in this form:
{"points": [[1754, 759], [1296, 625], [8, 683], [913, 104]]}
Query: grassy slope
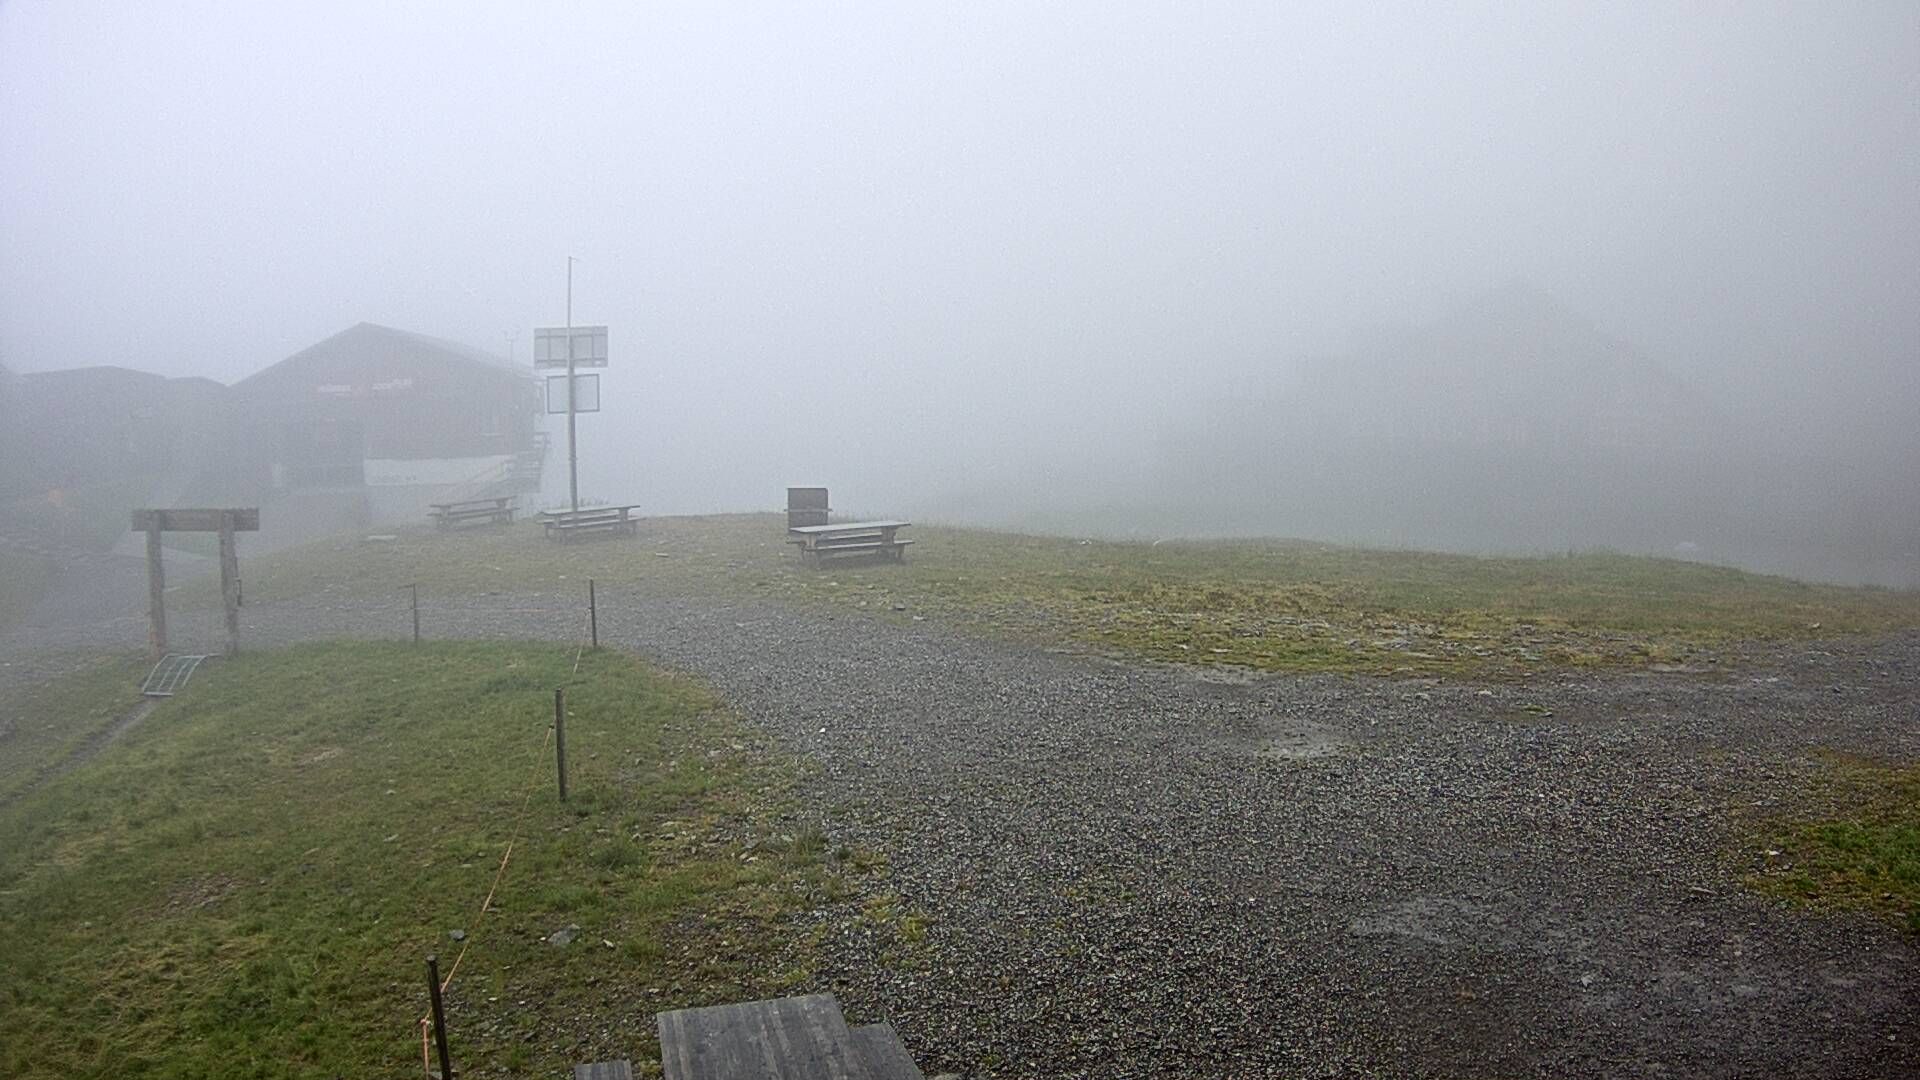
{"points": [[247, 884], [1273, 605]]}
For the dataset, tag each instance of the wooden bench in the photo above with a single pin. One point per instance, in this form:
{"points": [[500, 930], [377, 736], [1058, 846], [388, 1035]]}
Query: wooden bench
{"points": [[447, 514], [573, 524], [819, 543]]}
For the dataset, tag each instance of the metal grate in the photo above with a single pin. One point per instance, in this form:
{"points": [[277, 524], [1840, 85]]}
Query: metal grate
{"points": [[170, 674]]}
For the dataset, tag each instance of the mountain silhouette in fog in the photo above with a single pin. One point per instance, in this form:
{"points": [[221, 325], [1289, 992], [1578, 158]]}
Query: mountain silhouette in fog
{"points": [[1510, 368], [1510, 422]]}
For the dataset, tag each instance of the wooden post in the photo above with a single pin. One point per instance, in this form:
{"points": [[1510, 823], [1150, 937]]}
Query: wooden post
{"points": [[415, 590], [226, 522], [593, 615], [560, 737], [230, 583], [439, 1017], [156, 593]]}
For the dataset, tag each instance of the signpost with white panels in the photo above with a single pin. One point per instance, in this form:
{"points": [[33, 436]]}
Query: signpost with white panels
{"points": [[571, 347], [589, 346]]}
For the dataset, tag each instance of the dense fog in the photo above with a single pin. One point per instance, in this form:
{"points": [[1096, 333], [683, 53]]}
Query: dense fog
{"points": [[1512, 278]]}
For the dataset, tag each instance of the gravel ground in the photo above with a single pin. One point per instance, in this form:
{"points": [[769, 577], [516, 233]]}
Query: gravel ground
{"points": [[1138, 871]]}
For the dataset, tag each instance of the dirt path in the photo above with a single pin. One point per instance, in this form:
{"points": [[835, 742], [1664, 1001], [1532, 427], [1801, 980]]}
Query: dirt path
{"points": [[1138, 871], [86, 751]]}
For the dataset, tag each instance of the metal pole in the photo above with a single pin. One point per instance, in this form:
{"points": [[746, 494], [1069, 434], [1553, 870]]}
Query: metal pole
{"points": [[573, 449], [415, 590], [593, 616], [560, 737], [439, 1017]]}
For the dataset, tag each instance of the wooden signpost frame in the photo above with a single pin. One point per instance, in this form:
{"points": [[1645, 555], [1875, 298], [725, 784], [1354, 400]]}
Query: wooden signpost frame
{"points": [[226, 522]]}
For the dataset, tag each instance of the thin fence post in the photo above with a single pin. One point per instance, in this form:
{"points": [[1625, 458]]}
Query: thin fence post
{"points": [[593, 616], [439, 1017], [415, 590], [560, 737]]}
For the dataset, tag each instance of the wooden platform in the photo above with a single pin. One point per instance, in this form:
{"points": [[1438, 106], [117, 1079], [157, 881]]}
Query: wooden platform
{"points": [[800, 1038]]}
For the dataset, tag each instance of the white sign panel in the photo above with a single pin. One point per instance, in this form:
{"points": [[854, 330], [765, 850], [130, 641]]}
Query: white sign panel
{"points": [[586, 393], [550, 346]]}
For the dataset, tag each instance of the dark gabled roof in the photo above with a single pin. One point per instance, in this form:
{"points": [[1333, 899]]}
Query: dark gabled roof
{"points": [[94, 373], [478, 356], [373, 335]]}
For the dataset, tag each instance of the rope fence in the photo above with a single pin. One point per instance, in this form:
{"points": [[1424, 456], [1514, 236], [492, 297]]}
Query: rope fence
{"points": [[553, 733]]}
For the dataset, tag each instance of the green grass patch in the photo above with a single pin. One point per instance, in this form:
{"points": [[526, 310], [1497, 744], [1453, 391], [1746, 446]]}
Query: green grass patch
{"points": [[1274, 605], [1857, 846], [247, 884]]}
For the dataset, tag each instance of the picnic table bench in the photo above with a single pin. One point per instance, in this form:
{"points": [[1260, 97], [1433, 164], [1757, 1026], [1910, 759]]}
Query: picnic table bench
{"points": [[571, 524], [821, 542], [447, 514]]}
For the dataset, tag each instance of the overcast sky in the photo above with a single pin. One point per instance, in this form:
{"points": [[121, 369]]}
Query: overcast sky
{"points": [[958, 219]]}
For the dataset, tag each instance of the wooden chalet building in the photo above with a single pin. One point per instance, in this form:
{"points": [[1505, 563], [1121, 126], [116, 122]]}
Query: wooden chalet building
{"points": [[399, 418]]}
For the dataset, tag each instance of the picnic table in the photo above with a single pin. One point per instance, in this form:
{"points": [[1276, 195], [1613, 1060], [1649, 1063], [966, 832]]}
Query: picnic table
{"points": [[447, 514], [818, 543], [571, 524]]}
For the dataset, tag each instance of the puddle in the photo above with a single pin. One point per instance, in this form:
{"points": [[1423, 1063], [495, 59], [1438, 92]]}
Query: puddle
{"points": [[1300, 745], [1435, 920]]}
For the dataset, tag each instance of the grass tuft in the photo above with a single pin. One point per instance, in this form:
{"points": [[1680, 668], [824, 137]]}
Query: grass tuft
{"points": [[1858, 847]]}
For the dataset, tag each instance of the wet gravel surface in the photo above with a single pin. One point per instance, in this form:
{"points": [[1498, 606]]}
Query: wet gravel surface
{"points": [[1138, 871]]}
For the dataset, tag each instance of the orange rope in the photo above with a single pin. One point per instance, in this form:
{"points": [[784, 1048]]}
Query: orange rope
{"points": [[583, 645], [426, 1022]]}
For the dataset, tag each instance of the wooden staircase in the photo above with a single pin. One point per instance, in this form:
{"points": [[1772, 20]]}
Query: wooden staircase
{"points": [[798, 1038]]}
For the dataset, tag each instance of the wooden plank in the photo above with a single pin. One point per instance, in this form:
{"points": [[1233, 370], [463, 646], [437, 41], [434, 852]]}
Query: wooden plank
{"points": [[885, 1055], [156, 593], [812, 530], [800, 1038], [230, 588], [837, 539], [604, 1070], [197, 519], [588, 510]]}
